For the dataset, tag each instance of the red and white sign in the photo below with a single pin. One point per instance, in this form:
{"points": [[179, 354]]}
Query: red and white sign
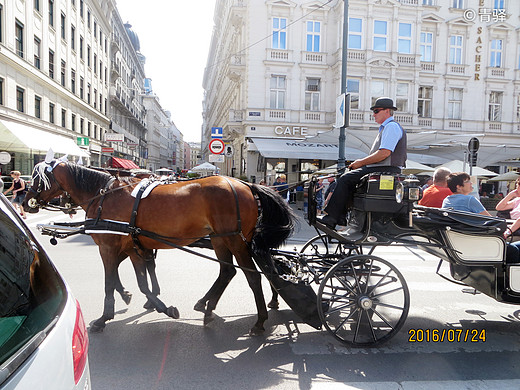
{"points": [[216, 146], [107, 150]]}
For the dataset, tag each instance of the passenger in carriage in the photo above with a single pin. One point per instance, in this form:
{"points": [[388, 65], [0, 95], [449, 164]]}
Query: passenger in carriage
{"points": [[388, 154], [438, 191], [460, 184]]}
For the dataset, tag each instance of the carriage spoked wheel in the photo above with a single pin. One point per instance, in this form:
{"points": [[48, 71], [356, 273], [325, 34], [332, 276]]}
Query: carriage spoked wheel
{"points": [[363, 300]]}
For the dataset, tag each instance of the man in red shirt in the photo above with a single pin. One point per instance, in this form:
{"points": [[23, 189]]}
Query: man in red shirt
{"points": [[435, 194]]}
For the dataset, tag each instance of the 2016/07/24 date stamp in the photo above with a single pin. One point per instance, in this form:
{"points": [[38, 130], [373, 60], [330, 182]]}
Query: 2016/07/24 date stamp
{"points": [[451, 335]]}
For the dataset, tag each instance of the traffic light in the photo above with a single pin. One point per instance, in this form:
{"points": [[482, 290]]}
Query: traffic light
{"points": [[472, 159]]}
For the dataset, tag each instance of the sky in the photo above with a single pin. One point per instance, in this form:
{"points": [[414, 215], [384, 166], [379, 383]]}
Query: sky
{"points": [[174, 37]]}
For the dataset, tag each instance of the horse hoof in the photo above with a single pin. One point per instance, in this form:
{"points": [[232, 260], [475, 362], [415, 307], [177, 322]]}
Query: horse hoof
{"points": [[172, 312], [257, 331], [208, 318], [200, 306], [273, 305], [127, 297], [148, 305]]}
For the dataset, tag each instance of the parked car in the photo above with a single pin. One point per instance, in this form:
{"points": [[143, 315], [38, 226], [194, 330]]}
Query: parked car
{"points": [[43, 337]]}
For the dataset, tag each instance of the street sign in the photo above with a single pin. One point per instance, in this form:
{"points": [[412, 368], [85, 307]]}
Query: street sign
{"points": [[107, 150], [229, 151], [5, 157], [473, 145], [216, 146], [216, 132], [219, 158], [114, 137], [82, 141], [342, 110]]}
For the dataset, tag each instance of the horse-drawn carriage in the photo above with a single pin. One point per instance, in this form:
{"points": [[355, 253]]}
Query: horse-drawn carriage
{"points": [[335, 281]]}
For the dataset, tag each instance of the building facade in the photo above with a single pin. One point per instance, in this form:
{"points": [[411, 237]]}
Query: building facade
{"points": [[274, 73], [54, 57]]}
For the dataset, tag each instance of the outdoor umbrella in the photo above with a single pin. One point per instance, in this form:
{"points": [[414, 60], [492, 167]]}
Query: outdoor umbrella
{"points": [[508, 176], [459, 166]]}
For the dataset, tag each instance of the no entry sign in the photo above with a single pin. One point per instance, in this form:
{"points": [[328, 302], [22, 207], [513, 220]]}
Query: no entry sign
{"points": [[216, 146]]}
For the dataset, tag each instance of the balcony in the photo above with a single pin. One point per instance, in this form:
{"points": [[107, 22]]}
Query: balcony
{"points": [[357, 116], [114, 44], [277, 115], [356, 55], [428, 67], [496, 73], [455, 124], [406, 60], [236, 115], [495, 127], [425, 122], [279, 55], [459, 70], [310, 57], [405, 119]]}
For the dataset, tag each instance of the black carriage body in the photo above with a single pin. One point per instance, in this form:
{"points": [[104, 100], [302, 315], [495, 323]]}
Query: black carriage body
{"points": [[376, 192]]}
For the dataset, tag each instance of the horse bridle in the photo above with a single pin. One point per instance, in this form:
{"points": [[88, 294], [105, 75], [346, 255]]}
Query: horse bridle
{"points": [[34, 202]]}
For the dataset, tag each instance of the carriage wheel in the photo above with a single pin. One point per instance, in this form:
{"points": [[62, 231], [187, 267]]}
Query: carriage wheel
{"points": [[363, 300]]}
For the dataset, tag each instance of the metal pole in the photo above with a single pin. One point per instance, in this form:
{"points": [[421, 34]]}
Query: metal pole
{"points": [[341, 156]]}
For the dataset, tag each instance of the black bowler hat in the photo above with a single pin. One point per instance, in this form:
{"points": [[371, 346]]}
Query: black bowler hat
{"points": [[384, 102]]}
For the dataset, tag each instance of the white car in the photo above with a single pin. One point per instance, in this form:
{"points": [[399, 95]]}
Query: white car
{"points": [[43, 337]]}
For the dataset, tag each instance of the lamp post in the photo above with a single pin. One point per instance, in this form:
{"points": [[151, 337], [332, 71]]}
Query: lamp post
{"points": [[341, 156]]}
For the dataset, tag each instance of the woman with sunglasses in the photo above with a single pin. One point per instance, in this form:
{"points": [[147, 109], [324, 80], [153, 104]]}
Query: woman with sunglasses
{"points": [[511, 203]]}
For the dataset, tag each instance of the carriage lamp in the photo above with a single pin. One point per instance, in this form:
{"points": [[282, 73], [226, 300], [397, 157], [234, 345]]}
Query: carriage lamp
{"points": [[408, 190]]}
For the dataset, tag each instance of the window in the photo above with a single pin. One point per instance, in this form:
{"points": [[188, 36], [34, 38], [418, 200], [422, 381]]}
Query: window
{"points": [[377, 89], [457, 4], [37, 52], [277, 92], [37, 107], [88, 129], [279, 33], [19, 99], [426, 46], [81, 4], [88, 93], [63, 117], [100, 102], [455, 49], [1, 23], [81, 84], [312, 94], [73, 81], [498, 4], [380, 31], [51, 112], [405, 38], [51, 13], [401, 101], [95, 30], [37, 5], [313, 36], [495, 55], [100, 72], [355, 33], [353, 90], [19, 38], [81, 125], [63, 36], [88, 19], [80, 47], [495, 106], [1, 92], [51, 64], [95, 98], [88, 55], [455, 103], [73, 37], [517, 104], [73, 122], [63, 72], [95, 64], [424, 104], [428, 2]]}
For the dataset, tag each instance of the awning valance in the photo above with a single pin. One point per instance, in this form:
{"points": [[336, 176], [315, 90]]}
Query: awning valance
{"points": [[286, 148], [17, 137], [116, 162]]}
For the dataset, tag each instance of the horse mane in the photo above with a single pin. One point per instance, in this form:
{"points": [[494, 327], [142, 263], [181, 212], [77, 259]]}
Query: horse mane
{"points": [[87, 180]]}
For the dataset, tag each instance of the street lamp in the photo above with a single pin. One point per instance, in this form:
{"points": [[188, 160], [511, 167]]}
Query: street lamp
{"points": [[342, 137]]}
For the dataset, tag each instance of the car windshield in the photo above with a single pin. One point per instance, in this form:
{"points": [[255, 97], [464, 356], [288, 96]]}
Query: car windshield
{"points": [[32, 294]]}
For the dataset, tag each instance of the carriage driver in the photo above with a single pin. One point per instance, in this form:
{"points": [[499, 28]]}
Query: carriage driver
{"points": [[388, 155]]}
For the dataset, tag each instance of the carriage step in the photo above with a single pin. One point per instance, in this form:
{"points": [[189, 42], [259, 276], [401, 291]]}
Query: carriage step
{"points": [[340, 236]]}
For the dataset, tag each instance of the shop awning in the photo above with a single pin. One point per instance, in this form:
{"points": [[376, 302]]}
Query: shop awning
{"points": [[286, 148], [17, 137], [117, 162]]}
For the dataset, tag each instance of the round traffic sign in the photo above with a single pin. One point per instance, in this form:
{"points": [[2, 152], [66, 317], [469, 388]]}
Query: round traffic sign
{"points": [[216, 146], [5, 157]]}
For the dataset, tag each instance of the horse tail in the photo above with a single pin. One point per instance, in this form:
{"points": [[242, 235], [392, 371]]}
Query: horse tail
{"points": [[276, 220]]}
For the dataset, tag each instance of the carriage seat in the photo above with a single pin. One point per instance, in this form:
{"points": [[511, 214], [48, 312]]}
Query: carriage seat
{"points": [[376, 192], [431, 218]]}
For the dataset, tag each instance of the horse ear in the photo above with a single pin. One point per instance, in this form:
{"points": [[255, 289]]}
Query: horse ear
{"points": [[49, 156]]}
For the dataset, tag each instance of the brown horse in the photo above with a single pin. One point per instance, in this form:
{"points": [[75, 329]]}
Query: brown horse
{"points": [[240, 218]]}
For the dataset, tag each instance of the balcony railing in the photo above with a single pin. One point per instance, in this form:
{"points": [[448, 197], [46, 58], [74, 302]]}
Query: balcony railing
{"points": [[406, 59], [404, 118], [279, 55], [425, 122], [353, 55], [457, 69], [455, 124], [311, 57], [497, 72], [277, 114]]}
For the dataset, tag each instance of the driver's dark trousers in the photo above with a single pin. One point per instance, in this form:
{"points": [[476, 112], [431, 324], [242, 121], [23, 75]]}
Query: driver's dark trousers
{"points": [[343, 195]]}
